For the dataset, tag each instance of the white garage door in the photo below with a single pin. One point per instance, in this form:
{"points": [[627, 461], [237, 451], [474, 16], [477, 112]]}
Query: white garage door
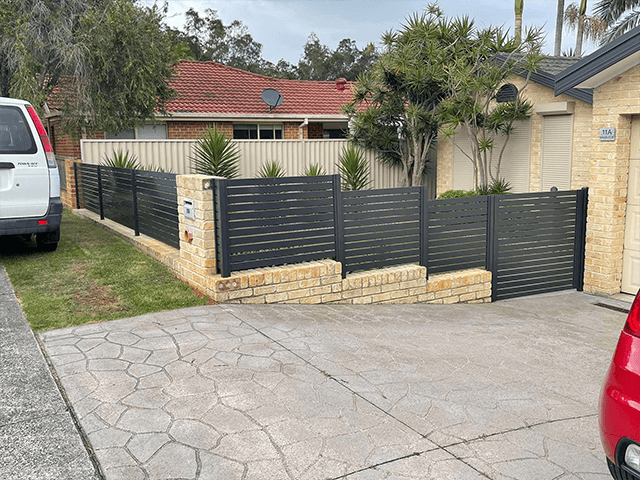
{"points": [[515, 160], [631, 258]]}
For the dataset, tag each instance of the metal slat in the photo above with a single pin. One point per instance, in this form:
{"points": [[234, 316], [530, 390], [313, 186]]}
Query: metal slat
{"points": [[268, 243], [302, 220], [359, 236], [394, 262], [384, 221], [285, 214], [278, 228], [282, 196], [247, 265], [259, 207]]}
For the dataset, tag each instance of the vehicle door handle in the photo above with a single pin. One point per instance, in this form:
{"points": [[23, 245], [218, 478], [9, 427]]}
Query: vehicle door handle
{"points": [[6, 165]]}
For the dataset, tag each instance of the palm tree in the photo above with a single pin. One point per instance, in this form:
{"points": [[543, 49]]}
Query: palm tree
{"points": [[559, 17], [620, 16], [589, 27], [519, 8]]}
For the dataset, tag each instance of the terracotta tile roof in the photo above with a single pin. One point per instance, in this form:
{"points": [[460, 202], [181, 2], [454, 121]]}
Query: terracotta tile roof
{"points": [[208, 87]]}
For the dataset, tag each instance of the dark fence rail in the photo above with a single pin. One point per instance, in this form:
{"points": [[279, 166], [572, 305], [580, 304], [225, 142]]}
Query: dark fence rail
{"points": [[146, 202], [274, 221]]}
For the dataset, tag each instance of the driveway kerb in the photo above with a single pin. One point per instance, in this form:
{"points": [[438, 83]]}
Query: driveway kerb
{"points": [[505, 390]]}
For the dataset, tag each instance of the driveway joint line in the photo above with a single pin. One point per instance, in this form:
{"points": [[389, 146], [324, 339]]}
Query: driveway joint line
{"points": [[74, 418], [464, 442]]}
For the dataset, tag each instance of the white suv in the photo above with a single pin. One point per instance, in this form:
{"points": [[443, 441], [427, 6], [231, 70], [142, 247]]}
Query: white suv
{"points": [[29, 179]]}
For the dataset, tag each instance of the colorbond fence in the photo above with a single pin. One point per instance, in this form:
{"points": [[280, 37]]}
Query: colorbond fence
{"points": [[144, 201], [532, 243]]}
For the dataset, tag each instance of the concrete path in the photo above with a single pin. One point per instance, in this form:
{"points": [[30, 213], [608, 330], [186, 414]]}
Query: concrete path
{"points": [[501, 391], [38, 438]]}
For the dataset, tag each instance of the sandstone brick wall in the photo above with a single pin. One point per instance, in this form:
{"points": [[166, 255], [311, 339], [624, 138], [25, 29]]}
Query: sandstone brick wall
{"points": [[613, 104]]}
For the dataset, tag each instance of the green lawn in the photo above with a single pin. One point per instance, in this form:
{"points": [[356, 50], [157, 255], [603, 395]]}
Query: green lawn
{"points": [[92, 276]]}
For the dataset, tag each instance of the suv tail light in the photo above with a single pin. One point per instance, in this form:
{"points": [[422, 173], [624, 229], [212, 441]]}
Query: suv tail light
{"points": [[633, 320], [44, 138]]}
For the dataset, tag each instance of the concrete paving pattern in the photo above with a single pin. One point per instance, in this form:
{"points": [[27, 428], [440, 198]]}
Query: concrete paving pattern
{"points": [[500, 391]]}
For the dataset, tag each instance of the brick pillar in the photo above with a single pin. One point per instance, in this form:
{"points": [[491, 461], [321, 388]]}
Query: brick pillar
{"points": [[68, 197], [197, 237], [608, 180]]}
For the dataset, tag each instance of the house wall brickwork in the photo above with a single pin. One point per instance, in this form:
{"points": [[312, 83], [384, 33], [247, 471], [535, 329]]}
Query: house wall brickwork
{"points": [[195, 130], [613, 104], [536, 94], [316, 131], [68, 196], [292, 131], [63, 143]]}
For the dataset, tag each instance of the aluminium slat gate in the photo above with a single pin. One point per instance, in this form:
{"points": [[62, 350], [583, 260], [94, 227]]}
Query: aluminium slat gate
{"points": [[532, 243]]}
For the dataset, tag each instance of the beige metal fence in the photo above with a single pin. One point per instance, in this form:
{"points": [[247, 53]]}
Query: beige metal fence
{"points": [[294, 156]]}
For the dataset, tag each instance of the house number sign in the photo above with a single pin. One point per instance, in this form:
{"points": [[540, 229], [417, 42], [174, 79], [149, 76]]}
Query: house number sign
{"points": [[607, 134]]}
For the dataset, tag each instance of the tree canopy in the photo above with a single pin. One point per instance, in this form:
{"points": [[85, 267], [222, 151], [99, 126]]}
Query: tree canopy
{"points": [[110, 59], [441, 75]]}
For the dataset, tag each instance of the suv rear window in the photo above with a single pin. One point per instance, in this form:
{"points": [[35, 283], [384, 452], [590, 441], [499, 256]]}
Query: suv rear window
{"points": [[15, 136]]}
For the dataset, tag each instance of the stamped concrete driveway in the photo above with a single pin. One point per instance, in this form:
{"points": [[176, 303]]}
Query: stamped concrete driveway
{"points": [[501, 391]]}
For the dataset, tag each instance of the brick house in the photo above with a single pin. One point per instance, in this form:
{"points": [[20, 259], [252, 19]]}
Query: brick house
{"points": [[209, 94], [584, 132]]}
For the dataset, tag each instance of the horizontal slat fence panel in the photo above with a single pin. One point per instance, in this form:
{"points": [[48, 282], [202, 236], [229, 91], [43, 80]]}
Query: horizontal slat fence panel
{"points": [[536, 243], [456, 234], [262, 222], [146, 202], [381, 228], [87, 188], [158, 206], [117, 196]]}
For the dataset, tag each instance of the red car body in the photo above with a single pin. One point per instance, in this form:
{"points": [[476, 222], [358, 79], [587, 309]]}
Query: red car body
{"points": [[620, 398]]}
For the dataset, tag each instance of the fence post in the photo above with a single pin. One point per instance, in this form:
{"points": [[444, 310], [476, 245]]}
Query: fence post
{"points": [[581, 234], [424, 228], [100, 192], [338, 219], [75, 176], [222, 221], [134, 192], [492, 242]]}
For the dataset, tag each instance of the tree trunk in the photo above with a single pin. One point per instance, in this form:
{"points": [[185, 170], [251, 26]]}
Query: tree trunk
{"points": [[518, 28], [559, 21], [579, 36]]}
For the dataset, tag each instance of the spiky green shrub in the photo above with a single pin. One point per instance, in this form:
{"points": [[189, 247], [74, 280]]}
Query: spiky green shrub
{"points": [[314, 170], [500, 187], [216, 155], [271, 169], [354, 169], [120, 159]]}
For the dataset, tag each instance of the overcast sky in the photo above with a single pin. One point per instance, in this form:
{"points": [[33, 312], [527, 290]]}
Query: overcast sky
{"points": [[282, 26]]}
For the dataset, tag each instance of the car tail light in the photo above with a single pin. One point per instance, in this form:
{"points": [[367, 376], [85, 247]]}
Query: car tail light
{"points": [[44, 138], [633, 320]]}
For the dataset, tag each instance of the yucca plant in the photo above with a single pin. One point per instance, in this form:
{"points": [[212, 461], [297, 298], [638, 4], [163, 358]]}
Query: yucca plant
{"points": [[314, 170], [500, 187], [120, 159], [216, 155], [354, 169], [271, 169]]}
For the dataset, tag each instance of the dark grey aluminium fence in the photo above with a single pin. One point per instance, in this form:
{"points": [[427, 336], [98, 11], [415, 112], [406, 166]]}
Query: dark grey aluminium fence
{"points": [[532, 243], [274, 221], [144, 201]]}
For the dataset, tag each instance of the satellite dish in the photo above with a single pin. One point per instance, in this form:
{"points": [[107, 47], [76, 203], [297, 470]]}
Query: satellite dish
{"points": [[272, 97]]}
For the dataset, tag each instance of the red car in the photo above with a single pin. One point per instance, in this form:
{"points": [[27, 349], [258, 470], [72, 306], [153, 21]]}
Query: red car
{"points": [[620, 402]]}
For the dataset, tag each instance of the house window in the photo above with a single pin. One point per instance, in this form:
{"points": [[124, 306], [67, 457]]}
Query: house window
{"points": [[335, 130], [244, 131]]}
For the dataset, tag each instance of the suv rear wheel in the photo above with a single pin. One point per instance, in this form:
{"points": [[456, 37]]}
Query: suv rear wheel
{"points": [[48, 241]]}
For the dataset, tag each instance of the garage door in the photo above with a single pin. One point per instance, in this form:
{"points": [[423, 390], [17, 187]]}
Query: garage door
{"points": [[631, 258], [515, 160]]}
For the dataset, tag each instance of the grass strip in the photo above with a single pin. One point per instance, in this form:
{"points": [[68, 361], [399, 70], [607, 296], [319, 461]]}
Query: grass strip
{"points": [[93, 276]]}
